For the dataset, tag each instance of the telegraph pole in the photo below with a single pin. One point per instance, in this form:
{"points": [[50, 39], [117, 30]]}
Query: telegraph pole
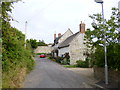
{"points": [[25, 32]]}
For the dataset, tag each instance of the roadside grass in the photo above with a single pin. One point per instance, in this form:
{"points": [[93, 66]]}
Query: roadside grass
{"points": [[14, 73], [71, 66], [14, 79], [51, 59]]}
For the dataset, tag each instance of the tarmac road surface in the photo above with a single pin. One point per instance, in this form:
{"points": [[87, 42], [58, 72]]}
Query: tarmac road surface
{"points": [[49, 74]]}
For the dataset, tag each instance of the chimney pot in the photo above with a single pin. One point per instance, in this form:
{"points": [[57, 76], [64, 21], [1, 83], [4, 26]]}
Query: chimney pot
{"points": [[59, 34], [82, 27], [54, 36]]}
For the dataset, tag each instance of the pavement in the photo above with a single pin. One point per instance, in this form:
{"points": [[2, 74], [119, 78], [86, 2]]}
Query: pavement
{"points": [[88, 73]]}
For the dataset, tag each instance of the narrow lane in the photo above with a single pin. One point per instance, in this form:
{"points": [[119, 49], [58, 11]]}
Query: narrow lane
{"points": [[49, 74]]}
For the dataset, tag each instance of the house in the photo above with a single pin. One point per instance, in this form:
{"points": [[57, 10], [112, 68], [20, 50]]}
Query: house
{"points": [[74, 46], [58, 40]]}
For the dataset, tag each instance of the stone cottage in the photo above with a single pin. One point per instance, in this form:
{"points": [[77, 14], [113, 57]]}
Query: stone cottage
{"points": [[74, 45], [58, 40]]}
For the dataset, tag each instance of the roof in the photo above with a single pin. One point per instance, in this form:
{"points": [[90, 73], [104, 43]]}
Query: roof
{"points": [[66, 42], [56, 40]]}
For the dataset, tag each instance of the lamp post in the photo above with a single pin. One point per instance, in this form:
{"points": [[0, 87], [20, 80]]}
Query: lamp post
{"points": [[25, 32], [105, 49]]}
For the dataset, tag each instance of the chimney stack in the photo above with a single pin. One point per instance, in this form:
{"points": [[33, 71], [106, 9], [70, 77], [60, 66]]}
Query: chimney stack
{"points": [[54, 36], [59, 34], [82, 27]]}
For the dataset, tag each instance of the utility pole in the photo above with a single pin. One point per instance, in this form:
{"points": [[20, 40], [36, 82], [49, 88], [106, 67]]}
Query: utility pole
{"points": [[25, 32]]}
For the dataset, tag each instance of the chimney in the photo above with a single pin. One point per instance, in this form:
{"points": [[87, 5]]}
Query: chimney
{"points": [[82, 27], [54, 36], [59, 34]]}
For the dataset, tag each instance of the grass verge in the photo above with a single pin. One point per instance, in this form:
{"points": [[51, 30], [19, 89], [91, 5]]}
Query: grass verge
{"points": [[70, 66]]}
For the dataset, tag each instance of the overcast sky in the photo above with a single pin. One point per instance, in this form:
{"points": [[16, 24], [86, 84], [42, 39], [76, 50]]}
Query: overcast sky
{"points": [[45, 17]]}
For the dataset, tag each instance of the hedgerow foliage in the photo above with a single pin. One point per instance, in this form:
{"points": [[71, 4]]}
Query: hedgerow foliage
{"points": [[14, 55]]}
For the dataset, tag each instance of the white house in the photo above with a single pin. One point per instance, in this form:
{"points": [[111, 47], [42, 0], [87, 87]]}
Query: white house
{"points": [[58, 40]]}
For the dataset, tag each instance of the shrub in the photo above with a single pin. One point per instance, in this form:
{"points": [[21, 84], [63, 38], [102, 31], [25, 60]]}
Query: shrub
{"points": [[83, 64], [40, 53], [59, 59], [16, 59], [50, 57], [65, 61]]}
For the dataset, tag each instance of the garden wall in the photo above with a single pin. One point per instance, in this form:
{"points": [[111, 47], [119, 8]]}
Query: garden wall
{"points": [[113, 76]]}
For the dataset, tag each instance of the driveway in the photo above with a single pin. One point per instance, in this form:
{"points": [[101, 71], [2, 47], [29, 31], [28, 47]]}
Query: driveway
{"points": [[49, 74]]}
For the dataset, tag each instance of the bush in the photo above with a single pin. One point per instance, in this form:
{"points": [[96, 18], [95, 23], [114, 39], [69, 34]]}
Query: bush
{"points": [[59, 59], [16, 59], [65, 61], [40, 53], [50, 57], [83, 64]]}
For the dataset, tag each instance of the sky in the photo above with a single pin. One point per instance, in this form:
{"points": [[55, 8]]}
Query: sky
{"points": [[46, 17]]}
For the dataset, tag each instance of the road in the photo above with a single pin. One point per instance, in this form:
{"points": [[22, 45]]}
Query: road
{"points": [[49, 74]]}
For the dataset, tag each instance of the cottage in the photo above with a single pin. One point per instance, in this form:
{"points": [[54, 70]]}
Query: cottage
{"points": [[74, 45], [58, 40]]}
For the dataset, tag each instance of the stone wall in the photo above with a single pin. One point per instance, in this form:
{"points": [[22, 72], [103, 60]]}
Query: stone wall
{"points": [[113, 76], [77, 49], [43, 49]]}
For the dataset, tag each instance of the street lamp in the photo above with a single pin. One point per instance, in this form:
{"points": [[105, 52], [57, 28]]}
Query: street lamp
{"points": [[105, 49]]}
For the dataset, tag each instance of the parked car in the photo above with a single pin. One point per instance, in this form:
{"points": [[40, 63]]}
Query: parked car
{"points": [[42, 56]]}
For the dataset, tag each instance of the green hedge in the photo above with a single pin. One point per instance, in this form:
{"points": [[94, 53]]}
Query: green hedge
{"points": [[40, 53], [83, 64]]}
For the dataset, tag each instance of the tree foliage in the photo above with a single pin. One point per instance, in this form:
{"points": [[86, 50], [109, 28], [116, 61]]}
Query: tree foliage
{"points": [[14, 55], [110, 29], [42, 43], [33, 43]]}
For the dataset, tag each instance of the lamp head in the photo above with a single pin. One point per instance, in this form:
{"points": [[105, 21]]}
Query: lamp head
{"points": [[98, 1]]}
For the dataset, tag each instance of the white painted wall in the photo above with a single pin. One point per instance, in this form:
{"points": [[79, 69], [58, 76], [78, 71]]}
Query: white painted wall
{"points": [[63, 51], [65, 35]]}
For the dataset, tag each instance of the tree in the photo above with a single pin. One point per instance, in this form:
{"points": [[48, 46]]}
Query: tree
{"points": [[42, 43], [33, 43], [95, 39]]}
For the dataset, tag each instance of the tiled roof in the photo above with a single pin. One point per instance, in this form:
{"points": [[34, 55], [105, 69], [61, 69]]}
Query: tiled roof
{"points": [[67, 41]]}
